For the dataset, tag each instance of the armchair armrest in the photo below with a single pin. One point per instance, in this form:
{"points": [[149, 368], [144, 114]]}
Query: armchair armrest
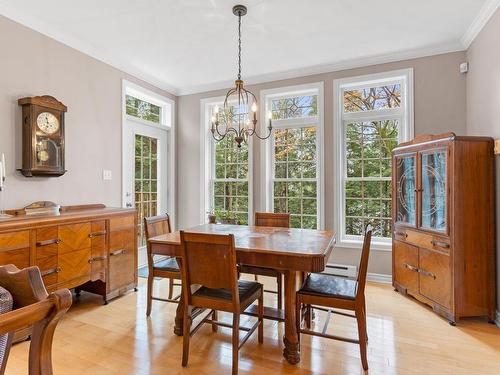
{"points": [[33, 306]]}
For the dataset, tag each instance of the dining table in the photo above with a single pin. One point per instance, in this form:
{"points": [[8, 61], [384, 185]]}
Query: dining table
{"points": [[292, 251]]}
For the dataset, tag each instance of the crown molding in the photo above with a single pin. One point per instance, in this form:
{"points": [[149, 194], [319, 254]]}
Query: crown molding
{"points": [[487, 10], [37, 25], [329, 68]]}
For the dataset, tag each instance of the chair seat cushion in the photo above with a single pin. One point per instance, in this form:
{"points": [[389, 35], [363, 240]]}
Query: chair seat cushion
{"points": [[245, 289], [169, 264], [330, 286], [6, 302]]}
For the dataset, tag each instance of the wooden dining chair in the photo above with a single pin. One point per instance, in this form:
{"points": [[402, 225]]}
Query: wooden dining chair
{"points": [[336, 292], [165, 268], [209, 261], [24, 302], [269, 219]]}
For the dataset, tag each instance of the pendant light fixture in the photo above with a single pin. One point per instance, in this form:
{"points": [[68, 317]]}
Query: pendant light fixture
{"points": [[239, 112]]}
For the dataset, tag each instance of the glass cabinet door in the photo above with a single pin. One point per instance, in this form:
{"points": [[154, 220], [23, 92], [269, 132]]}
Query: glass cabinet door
{"points": [[406, 194], [434, 190]]}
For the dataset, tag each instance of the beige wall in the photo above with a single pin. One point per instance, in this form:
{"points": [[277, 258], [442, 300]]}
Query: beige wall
{"points": [[33, 64], [439, 107], [483, 99]]}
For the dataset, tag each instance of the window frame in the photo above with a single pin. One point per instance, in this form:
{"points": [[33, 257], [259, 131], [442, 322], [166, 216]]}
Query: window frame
{"points": [[207, 160], [405, 114], [267, 158]]}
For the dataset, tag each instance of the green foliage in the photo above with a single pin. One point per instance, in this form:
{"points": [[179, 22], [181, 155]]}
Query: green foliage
{"points": [[142, 109]]}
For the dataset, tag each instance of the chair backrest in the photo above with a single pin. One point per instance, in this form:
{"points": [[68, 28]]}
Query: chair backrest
{"points": [[363, 263], [156, 226], [209, 260], [271, 219]]}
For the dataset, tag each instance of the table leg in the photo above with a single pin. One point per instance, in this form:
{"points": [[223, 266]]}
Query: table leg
{"points": [[291, 338]]}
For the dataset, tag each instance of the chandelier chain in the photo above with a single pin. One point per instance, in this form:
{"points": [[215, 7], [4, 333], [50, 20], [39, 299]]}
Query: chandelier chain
{"points": [[239, 45]]}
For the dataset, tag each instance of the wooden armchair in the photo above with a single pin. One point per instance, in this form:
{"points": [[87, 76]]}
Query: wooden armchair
{"points": [[31, 306]]}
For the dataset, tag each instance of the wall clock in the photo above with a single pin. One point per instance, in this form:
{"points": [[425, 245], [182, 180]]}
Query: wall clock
{"points": [[43, 136]]}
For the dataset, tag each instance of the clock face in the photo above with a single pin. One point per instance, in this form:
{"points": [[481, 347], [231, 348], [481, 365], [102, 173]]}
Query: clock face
{"points": [[47, 122]]}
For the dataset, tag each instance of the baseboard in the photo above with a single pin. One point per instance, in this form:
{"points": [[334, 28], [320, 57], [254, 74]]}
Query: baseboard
{"points": [[381, 278], [497, 320]]}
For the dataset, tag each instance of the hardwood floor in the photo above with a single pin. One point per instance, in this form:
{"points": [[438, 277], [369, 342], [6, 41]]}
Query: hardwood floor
{"points": [[405, 337]]}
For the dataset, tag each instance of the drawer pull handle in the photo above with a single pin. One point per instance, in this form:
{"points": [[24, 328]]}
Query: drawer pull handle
{"points": [[411, 268], [51, 271], [48, 242], [97, 234], [403, 234], [97, 259], [118, 252], [444, 245], [427, 273]]}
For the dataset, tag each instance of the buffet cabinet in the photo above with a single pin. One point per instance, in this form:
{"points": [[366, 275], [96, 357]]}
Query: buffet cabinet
{"points": [[91, 248], [443, 224]]}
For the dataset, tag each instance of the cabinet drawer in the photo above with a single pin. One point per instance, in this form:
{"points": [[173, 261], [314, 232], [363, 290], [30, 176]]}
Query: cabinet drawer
{"points": [[73, 265], [49, 269], [435, 276], [47, 242], [14, 240], [98, 259], [121, 258], [74, 237], [121, 223], [406, 265], [422, 239], [19, 257]]}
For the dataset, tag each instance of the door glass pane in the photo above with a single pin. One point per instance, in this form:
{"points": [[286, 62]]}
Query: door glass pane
{"points": [[434, 190], [146, 183], [406, 201]]}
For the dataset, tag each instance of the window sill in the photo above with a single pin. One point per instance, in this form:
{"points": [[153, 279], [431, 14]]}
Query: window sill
{"points": [[358, 244]]}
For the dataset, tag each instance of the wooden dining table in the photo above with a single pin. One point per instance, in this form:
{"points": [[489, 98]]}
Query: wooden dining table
{"points": [[290, 250]]}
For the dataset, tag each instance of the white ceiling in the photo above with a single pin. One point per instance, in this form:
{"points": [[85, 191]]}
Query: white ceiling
{"points": [[187, 46]]}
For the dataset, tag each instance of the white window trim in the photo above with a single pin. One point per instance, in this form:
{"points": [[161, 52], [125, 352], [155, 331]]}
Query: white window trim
{"points": [[407, 131], [207, 162], [267, 151], [167, 123]]}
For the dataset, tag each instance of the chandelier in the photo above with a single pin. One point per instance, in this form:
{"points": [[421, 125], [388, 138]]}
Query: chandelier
{"points": [[235, 117]]}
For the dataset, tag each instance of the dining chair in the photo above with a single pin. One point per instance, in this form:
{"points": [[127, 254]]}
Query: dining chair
{"points": [[336, 292], [165, 268], [269, 219], [209, 262]]}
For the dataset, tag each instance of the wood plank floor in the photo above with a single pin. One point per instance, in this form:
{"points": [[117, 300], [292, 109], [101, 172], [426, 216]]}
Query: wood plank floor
{"points": [[405, 337]]}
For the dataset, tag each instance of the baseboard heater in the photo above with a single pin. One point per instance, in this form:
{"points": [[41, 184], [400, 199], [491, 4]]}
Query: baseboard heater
{"points": [[341, 270]]}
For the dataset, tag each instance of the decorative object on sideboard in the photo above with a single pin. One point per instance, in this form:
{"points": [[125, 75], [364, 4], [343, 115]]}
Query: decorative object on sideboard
{"points": [[235, 115], [3, 178], [43, 136], [40, 208]]}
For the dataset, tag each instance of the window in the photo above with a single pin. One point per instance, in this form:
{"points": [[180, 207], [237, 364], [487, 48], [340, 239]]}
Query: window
{"points": [[374, 114], [294, 155], [227, 170], [142, 109]]}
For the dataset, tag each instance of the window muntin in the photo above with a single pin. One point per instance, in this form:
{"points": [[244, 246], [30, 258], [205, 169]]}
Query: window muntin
{"points": [[372, 98], [294, 107], [142, 109]]}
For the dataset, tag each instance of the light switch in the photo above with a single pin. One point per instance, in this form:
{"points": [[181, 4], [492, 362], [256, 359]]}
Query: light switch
{"points": [[497, 147], [107, 175]]}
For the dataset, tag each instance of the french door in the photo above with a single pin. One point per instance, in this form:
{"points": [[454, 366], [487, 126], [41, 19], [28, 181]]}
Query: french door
{"points": [[145, 173]]}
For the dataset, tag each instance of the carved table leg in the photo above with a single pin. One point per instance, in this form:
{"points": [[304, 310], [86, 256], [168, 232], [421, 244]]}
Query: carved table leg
{"points": [[179, 316], [291, 338]]}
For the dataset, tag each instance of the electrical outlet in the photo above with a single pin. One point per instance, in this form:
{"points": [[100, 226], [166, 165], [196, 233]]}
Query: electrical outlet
{"points": [[497, 147], [107, 175]]}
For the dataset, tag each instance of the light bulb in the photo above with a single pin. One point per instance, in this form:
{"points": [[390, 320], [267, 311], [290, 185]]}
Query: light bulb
{"points": [[216, 109], [254, 107]]}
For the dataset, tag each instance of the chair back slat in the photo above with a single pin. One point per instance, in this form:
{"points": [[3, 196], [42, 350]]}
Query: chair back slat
{"points": [[156, 226], [209, 260], [363, 264], [271, 219]]}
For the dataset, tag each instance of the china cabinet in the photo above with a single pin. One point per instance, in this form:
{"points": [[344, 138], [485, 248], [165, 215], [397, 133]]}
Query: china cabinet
{"points": [[443, 224]]}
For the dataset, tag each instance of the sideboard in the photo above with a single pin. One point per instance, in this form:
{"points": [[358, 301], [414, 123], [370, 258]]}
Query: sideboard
{"points": [[91, 248]]}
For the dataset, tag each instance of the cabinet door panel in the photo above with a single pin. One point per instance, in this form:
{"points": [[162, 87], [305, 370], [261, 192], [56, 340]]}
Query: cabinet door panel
{"points": [[15, 248], [20, 257], [121, 258], [406, 265], [406, 184], [74, 264], [434, 185], [435, 276], [74, 237]]}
